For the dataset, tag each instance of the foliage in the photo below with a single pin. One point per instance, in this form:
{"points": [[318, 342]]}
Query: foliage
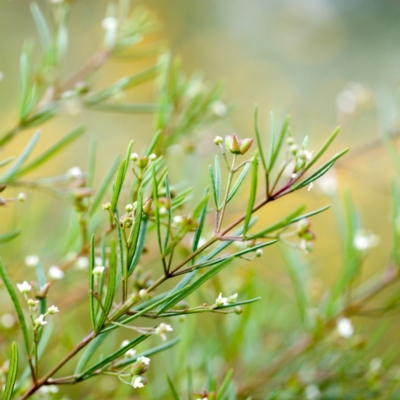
{"points": [[138, 223]]}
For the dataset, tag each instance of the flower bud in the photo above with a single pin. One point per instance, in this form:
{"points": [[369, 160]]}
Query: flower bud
{"points": [[142, 162], [147, 206], [218, 140], [128, 207], [238, 310], [106, 206], [236, 146], [303, 225]]}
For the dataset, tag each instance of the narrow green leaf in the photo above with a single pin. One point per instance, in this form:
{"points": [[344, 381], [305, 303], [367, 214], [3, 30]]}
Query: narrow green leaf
{"points": [[139, 246], [109, 359], [12, 373], [239, 181], [258, 139], [134, 233], [6, 161], [200, 227], [51, 151], [121, 85], [224, 384], [195, 285], [91, 285], [253, 193], [128, 156], [9, 174], [322, 150], [41, 25], [200, 206], [213, 186], [172, 389], [147, 353], [277, 149], [17, 305], [111, 286], [395, 223], [252, 249], [169, 210], [217, 180], [5, 237], [88, 353], [310, 214], [118, 185], [103, 186], [278, 225], [153, 143], [158, 218], [321, 171]]}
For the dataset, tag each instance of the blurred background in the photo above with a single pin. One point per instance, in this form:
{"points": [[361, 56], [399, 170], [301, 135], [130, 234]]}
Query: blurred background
{"points": [[324, 62]]}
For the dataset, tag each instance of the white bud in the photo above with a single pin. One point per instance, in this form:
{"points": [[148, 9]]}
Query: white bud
{"points": [[152, 157], [56, 272], [109, 23], [31, 261], [344, 327], [98, 270]]}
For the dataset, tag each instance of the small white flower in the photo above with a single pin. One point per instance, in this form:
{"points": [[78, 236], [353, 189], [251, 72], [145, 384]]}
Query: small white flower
{"points": [[232, 298], [162, 210], [152, 157], [24, 287], [178, 220], [375, 364], [82, 263], [259, 252], [137, 382], [219, 108], [31, 261], [32, 302], [307, 154], [21, 197], [144, 360], [109, 23], [344, 327], [365, 240], [40, 320], [52, 310], [125, 343], [312, 392], [7, 320], [75, 172], [98, 270], [162, 329], [50, 389], [56, 272], [134, 156], [310, 186], [130, 353], [221, 301]]}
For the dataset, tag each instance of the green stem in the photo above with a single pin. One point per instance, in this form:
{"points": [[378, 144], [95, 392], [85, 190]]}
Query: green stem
{"points": [[228, 188]]}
